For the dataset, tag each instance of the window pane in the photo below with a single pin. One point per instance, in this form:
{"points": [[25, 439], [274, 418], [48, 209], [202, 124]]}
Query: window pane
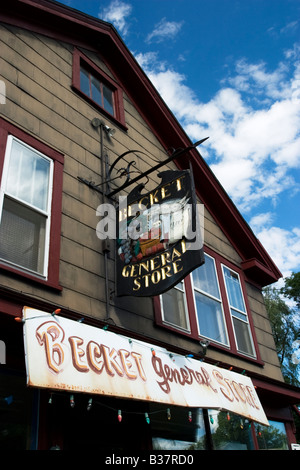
{"points": [[108, 99], [240, 315], [96, 91], [22, 236], [233, 434], [174, 308], [177, 433], [85, 82], [243, 338], [272, 437], [205, 278], [210, 318], [28, 176], [234, 290]]}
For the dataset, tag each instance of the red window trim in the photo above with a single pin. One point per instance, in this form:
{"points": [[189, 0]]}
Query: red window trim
{"points": [[6, 129], [194, 334], [80, 58]]}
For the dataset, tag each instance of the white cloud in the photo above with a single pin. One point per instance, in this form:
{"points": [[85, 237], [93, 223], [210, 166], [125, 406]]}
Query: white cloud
{"points": [[254, 79], [283, 246], [261, 220], [253, 122], [164, 30], [252, 151], [116, 13]]}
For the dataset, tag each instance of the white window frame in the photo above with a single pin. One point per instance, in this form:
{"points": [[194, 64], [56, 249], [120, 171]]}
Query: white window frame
{"points": [[210, 296], [244, 313], [46, 213], [186, 312]]}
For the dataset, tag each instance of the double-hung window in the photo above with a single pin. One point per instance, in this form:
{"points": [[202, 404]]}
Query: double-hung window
{"points": [[238, 312], [26, 204], [30, 206], [209, 307]]}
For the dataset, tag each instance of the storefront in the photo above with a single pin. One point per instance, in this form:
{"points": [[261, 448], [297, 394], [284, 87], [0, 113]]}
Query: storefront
{"points": [[106, 351], [82, 377]]}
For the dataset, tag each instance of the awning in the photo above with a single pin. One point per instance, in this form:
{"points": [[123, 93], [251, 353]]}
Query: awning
{"points": [[63, 354]]}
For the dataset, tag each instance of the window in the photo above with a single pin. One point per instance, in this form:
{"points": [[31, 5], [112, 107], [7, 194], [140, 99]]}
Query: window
{"points": [[174, 308], [25, 221], [99, 89], [30, 193], [238, 311], [208, 302], [96, 90]]}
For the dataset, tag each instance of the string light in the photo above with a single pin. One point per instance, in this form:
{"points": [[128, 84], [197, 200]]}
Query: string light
{"points": [[19, 319], [89, 405], [242, 422], [153, 352], [72, 401], [22, 320]]}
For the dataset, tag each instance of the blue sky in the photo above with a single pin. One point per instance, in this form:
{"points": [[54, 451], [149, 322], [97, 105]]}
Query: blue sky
{"points": [[230, 70]]}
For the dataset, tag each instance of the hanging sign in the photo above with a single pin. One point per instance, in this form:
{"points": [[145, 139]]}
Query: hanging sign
{"points": [[159, 236], [62, 354]]}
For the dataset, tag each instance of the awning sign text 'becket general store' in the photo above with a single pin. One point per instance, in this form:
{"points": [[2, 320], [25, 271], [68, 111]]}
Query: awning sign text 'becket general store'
{"points": [[63, 354]]}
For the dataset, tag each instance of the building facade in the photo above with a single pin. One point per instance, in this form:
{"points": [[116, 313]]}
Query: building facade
{"points": [[68, 81]]}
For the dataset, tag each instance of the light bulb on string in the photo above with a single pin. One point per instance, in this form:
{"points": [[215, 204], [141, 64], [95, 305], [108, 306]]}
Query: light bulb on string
{"points": [[89, 405], [169, 414], [211, 419], [119, 416], [228, 417], [190, 416], [72, 401], [147, 418], [241, 424]]}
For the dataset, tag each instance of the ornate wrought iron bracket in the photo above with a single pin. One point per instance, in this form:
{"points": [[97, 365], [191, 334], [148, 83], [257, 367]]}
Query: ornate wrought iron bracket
{"points": [[104, 187], [176, 154]]}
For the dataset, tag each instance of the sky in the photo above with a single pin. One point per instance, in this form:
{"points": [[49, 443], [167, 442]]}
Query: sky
{"points": [[229, 70]]}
